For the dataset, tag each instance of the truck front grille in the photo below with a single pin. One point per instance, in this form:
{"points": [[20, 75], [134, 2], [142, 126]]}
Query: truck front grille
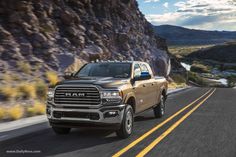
{"points": [[77, 95]]}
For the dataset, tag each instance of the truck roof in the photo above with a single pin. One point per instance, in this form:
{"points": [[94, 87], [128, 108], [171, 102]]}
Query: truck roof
{"points": [[116, 61]]}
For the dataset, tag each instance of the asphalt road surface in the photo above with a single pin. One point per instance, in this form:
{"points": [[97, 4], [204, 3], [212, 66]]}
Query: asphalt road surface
{"points": [[192, 127]]}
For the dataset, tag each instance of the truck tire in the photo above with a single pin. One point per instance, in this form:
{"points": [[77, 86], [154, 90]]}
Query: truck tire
{"points": [[127, 123], [159, 110], [61, 131]]}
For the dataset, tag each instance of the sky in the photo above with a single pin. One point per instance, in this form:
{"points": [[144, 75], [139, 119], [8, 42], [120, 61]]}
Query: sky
{"points": [[194, 14]]}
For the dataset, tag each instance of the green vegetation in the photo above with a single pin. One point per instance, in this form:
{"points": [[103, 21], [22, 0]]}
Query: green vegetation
{"points": [[179, 81], [200, 68], [178, 78], [231, 81], [194, 77], [182, 51]]}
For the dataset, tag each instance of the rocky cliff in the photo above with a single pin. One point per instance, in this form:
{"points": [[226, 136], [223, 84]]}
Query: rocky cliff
{"points": [[52, 34]]}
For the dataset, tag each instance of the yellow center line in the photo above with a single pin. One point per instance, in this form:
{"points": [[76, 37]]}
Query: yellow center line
{"points": [[170, 129], [125, 149]]}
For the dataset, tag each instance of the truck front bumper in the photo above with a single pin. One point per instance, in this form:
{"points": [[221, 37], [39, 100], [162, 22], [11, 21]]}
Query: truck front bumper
{"points": [[105, 117]]}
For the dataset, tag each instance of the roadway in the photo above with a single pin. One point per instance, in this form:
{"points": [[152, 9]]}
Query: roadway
{"points": [[199, 122]]}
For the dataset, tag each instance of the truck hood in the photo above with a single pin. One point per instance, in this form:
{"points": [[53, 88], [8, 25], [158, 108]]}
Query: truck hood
{"points": [[104, 82]]}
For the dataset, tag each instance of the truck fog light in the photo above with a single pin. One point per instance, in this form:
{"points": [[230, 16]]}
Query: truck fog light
{"points": [[48, 110], [111, 114]]}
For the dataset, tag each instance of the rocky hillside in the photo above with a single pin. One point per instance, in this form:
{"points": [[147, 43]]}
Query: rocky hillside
{"points": [[182, 36], [52, 34]]}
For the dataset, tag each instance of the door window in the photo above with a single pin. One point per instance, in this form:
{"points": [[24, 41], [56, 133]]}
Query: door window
{"points": [[144, 68], [137, 70]]}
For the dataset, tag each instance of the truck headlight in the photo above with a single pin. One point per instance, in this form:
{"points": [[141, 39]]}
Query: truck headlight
{"points": [[111, 94], [50, 93]]}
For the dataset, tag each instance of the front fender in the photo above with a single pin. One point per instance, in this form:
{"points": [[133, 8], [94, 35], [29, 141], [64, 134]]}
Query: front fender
{"points": [[127, 96]]}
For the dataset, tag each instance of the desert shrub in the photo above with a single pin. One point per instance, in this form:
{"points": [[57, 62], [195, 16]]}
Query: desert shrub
{"points": [[231, 81], [37, 67], [15, 112], [174, 85], [200, 68], [194, 77], [37, 109], [8, 92], [2, 113], [41, 89], [52, 77], [178, 78], [7, 77], [24, 67], [27, 90]]}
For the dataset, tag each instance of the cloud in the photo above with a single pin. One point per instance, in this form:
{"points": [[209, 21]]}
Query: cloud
{"points": [[166, 5], [204, 14], [199, 20], [148, 1]]}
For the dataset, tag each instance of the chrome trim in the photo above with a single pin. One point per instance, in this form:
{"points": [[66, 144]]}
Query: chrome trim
{"points": [[110, 120], [81, 105]]}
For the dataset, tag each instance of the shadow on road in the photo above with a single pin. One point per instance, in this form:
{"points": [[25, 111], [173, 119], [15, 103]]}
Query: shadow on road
{"points": [[143, 118], [49, 143]]}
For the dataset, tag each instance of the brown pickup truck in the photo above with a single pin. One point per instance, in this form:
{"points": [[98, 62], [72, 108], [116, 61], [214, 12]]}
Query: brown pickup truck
{"points": [[106, 95]]}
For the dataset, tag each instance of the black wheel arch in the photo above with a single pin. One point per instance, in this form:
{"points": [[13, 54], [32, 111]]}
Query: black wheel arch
{"points": [[132, 102]]}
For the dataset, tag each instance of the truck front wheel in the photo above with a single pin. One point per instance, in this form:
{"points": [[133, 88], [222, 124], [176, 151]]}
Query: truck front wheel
{"points": [[127, 123], [60, 131], [159, 110]]}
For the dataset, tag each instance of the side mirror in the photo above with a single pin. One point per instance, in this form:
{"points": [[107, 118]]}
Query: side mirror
{"points": [[68, 75], [143, 76]]}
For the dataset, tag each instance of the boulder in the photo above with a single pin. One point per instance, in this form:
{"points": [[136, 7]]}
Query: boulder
{"points": [[67, 17], [39, 37], [26, 49]]}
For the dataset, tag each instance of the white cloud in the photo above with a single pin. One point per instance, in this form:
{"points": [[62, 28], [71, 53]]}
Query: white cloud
{"points": [[203, 14], [166, 4], [148, 1]]}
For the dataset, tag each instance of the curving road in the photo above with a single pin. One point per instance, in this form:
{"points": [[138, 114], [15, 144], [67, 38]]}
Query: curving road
{"points": [[193, 126]]}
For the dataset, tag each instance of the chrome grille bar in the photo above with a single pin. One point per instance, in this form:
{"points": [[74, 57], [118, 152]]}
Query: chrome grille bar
{"points": [[77, 95]]}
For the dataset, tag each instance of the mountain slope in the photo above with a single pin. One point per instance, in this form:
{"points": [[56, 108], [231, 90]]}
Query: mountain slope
{"points": [[176, 35], [223, 53], [54, 34]]}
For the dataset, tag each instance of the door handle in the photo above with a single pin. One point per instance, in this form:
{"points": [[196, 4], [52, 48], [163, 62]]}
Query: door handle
{"points": [[153, 83], [144, 85]]}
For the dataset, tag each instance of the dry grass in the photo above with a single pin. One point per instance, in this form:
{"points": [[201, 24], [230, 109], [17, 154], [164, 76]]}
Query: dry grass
{"points": [[52, 77], [2, 113], [7, 77], [27, 90], [174, 85], [200, 68], [186, 50], [8, 92], [24, 67], [37, 109], [15, 112], [41, 89]]}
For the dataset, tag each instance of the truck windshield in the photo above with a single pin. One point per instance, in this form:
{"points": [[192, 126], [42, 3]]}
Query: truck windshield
{"points": [[116, 70]]}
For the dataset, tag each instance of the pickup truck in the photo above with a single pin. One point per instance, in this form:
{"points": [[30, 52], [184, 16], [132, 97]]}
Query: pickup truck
{"points": [[106, 95]]}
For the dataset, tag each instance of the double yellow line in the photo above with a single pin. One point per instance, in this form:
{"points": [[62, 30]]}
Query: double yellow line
{"points": [[168, 131]]}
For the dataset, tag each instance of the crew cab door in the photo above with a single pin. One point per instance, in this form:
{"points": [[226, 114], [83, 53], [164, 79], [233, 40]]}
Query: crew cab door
{"points": [[139, 88], [151, 84]]}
